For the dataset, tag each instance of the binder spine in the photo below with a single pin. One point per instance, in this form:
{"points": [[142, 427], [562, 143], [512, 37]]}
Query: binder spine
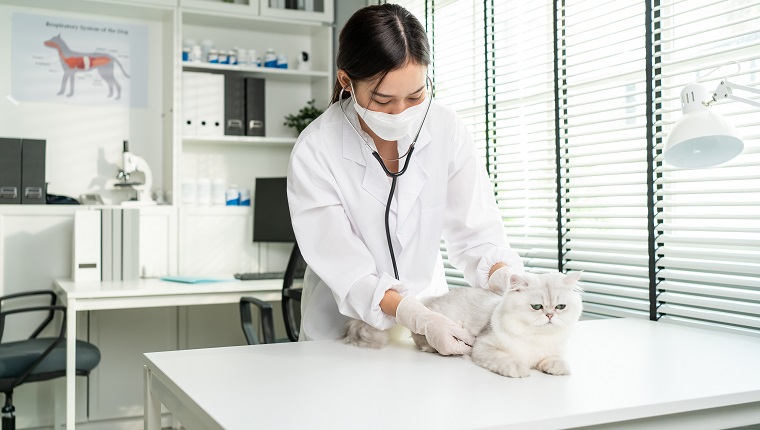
{"points": [[10, 171]]}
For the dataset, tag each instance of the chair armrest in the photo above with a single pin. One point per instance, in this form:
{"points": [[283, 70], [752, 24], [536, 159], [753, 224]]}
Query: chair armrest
{"points": [[246, 320], [58, 340], [47, 320]]}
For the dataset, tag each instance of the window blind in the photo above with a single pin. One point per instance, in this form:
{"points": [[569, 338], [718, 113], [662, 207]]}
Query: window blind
{"points": [[602, 153], [459, 75], [456, 32], [522, 129], [653, 241], [708, 221]]}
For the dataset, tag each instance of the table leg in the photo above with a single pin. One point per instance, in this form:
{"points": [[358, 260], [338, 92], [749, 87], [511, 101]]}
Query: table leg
{"points": [[59, 407], [152, 415], [71, 354]]}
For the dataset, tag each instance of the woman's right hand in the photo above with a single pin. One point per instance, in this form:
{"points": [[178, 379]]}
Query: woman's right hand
{"points": [[443, 334]]}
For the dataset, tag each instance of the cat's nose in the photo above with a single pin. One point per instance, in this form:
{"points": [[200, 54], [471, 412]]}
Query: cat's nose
{"points": [[549, 316]]}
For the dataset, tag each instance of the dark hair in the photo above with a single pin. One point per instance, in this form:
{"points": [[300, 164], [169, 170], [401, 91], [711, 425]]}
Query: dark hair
{"points": [[378, 39]]}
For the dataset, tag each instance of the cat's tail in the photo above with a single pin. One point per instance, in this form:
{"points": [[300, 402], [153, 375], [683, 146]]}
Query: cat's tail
{"points": [[358, 333]]}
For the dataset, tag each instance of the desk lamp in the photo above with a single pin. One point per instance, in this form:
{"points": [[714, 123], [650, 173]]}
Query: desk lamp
{"points": [[702, 138]]}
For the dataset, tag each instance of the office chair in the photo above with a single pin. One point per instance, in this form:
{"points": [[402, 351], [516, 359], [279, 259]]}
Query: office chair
{"points": [[37, 358], [266, 320], [290, 296]]}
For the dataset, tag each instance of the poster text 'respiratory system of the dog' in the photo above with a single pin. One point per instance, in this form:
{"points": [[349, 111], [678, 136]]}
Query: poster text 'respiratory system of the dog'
{"points": [[78, 61]]}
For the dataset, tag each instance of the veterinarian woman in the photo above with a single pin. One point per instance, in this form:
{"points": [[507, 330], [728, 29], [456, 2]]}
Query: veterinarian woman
{"points": [[338, 192]]}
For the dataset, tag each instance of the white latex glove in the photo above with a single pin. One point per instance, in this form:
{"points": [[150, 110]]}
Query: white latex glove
{"points": [[498, 282], [443, 334]]}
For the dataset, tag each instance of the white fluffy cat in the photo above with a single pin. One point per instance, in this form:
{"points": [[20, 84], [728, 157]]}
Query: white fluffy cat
{"points": [[525, 328]]}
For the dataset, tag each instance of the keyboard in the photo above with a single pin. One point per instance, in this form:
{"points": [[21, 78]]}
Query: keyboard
{"points": [[250, 276]]}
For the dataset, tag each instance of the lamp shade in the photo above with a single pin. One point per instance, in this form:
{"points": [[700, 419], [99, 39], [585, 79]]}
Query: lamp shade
{"points": [[700, 138]]}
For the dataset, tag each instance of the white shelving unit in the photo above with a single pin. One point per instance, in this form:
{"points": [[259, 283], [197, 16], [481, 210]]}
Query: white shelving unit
{"points": [[240, 159], [84, 150], [240, 140], [259, 72]]}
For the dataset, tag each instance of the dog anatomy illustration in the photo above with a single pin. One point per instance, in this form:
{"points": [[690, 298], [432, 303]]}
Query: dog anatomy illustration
{"points": [[74, 62]]}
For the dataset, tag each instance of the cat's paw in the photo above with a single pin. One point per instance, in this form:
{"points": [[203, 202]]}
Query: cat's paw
{"points": [[513, 369], [554, 366]]}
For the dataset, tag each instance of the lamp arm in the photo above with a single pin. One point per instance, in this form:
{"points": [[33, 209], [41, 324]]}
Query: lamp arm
{"points": [[725, 91]]}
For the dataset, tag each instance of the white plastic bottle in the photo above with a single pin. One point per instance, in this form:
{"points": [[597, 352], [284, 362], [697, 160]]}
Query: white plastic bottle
{"points": [[233, 196], [282, 61], [203, 188], [270, 58], [245, 197], [218, 192], [189, 191]]}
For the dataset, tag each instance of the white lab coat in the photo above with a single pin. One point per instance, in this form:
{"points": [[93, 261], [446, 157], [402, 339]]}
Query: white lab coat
{"points": [[337, 194]]}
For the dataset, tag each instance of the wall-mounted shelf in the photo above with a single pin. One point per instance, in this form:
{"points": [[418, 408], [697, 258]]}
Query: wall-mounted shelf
{"points": [[243, 17], [218, 210], [239, 140], [264, 72]]}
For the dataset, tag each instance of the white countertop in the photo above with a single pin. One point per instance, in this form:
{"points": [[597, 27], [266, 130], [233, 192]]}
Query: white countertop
{"points": [[140, 294], [157, 287], [622, 370]]}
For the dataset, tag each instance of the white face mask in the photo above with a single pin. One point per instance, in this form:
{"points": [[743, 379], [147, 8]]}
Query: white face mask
{"points": [[387, 126]]}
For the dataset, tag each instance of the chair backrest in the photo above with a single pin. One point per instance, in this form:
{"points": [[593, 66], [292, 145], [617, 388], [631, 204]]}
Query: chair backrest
{"points": [[246, 320], [292, 296]]}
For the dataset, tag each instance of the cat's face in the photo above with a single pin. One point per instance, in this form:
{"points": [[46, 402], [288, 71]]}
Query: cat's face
{"points": [[548, 301]]}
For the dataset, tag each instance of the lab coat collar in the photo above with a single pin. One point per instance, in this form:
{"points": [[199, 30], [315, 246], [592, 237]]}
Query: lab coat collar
{"points": [[376, 182]]}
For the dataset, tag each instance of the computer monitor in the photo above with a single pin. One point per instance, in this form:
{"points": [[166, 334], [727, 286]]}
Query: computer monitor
{"points": [[271, 215]]}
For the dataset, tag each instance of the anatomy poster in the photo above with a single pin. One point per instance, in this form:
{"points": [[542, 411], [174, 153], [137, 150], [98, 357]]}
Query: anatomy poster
{"points": [[78, 61]]}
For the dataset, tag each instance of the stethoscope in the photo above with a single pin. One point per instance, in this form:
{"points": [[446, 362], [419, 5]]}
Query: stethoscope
{"points": [[393, 175]]}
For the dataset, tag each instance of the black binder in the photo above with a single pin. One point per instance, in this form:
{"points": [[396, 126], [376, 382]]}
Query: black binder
{"points": [[33, 172], [254, 107], [234, 106], [10, 171]]}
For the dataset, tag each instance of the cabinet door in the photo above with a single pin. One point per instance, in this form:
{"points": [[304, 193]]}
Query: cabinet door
{"points": [[123, 336], [304, 10], [239, 7]]}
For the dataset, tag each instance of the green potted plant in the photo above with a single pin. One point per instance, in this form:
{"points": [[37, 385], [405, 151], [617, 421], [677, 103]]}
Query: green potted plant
{"points": [[305, 116]]}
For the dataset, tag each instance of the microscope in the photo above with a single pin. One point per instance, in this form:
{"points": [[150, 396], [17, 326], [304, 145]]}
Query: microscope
{"points": [[132, 163]]}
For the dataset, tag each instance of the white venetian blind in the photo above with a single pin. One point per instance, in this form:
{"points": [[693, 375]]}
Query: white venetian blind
{"points": [[708, 220], [603, 132], [522, 123], [455, 32], [416, 7]]}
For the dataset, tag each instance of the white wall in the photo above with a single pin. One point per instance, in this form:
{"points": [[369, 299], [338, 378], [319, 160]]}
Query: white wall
{"points": [[84, 143]]}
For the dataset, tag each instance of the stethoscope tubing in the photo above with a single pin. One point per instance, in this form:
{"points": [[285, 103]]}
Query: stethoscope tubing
{"points": [[393, 175]]}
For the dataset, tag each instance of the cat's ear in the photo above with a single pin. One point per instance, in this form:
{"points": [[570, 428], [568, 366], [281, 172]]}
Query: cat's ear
{"points": [[517, 282], [572, 278]]}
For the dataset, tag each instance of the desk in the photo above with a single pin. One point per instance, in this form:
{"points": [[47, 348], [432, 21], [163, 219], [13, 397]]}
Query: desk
{"points": [[634, 373], [144, 293]]}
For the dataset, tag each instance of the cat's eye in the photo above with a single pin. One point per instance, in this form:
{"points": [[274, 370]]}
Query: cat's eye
{"points": [[537, 307], [560, 307]]}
